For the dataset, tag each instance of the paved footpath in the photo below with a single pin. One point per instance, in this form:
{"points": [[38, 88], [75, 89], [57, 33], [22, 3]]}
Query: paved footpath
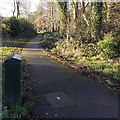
{"points": [[65, 93]]}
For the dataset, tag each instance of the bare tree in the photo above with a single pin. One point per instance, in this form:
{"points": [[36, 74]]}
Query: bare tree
{"points": [[18, 8], [47, 17], [14, 7], [21, 8]]}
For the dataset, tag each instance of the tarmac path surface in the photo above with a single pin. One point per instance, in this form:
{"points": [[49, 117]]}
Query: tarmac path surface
{"points": [[63, 92]]}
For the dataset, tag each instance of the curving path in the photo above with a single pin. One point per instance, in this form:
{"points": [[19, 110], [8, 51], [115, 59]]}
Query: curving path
{"points": [[65, 93]]}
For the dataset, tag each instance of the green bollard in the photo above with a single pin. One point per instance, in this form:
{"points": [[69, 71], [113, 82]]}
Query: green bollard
{"points": [[13, 80]]}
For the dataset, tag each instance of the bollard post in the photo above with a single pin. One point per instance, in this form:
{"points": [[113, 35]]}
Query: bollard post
{"points": [[13, 80]]}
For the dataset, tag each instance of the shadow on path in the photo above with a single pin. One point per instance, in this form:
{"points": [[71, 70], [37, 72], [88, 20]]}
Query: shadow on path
{"points": [[49, 78]]}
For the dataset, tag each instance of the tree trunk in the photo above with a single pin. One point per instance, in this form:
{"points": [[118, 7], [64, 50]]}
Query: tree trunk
{"points": [[14, 9], [18, 9]]}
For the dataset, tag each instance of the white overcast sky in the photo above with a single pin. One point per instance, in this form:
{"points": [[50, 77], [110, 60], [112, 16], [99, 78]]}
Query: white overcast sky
{"points": [[6, 7]]}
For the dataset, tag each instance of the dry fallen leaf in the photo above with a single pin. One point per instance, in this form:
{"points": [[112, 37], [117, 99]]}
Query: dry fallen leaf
{"points": [[46, 113], [56, 115]]}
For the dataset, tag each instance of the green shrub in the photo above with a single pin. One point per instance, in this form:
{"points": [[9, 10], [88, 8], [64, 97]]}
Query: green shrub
{"points": [[5, 29], [50, 39], [16, 27], [117, 73], [90, 49], [110, 46]]}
